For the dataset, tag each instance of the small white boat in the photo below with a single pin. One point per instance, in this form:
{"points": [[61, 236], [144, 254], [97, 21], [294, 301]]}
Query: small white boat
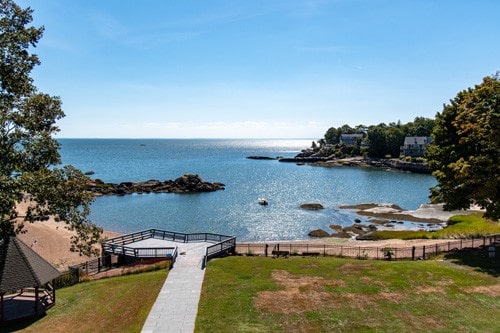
{"points": [[263, 202]]}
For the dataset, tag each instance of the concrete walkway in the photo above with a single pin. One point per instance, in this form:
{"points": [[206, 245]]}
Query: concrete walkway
{"points": [[176, 307]]}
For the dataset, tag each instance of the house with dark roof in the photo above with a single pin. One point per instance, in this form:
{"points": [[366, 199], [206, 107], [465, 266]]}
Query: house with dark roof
{"points": [[415, 145], [24, 275], [350, 139]]}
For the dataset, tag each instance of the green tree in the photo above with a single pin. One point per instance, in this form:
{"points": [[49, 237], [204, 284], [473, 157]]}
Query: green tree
{"points": [[377, 140], [332, 135], [465, 153], [30, 172], [421, 126], [395, 138]]}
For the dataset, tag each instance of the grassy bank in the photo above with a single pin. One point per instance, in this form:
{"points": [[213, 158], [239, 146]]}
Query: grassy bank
{"points": [[459, 226], [257, 294], [119, 304]]}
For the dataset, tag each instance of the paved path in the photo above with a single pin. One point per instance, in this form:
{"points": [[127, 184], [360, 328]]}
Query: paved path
{"points": [[177, 303]]}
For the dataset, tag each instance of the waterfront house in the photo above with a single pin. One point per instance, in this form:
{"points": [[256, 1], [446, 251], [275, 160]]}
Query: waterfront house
{"points": [[415, 145], [350, 139]]}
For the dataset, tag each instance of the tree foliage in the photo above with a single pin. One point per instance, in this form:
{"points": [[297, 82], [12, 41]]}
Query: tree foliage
{"points": [[29, 157], [465, 153], [382, 139]]}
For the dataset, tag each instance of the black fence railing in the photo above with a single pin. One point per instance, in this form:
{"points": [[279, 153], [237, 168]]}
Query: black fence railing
{"points": [[118, 245], [224, 246], [386, 252]]}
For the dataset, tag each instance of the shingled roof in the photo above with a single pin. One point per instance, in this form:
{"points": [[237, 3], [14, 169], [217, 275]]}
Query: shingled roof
{"points": [[21, 267]]}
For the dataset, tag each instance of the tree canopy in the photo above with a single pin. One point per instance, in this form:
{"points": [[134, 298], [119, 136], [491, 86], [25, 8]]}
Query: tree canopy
{"points": [[465, 153], [30, 166]]}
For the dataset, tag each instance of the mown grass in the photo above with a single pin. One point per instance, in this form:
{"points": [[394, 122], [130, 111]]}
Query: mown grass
{"points": [[118, 304], [459, 226], [258, 294]]}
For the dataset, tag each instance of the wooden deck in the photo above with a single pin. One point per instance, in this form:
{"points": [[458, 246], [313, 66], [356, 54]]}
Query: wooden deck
{"points": [[22, 305]]}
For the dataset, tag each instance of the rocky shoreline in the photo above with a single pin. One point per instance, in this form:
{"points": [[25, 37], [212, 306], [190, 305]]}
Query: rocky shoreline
{"points": [[185, 184], [392, 164], [308, 156], [387, 216]]}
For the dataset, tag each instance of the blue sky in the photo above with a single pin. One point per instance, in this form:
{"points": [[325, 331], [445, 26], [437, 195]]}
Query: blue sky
{"points": [[260, 68]]}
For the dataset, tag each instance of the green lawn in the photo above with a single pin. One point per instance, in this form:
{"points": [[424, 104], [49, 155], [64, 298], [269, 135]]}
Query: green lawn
{"points": [[258, 294], [458, 293], [459, 226], [119, 304]]}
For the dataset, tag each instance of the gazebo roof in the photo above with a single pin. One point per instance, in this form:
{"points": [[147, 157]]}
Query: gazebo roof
{"points": [[21, 267]]}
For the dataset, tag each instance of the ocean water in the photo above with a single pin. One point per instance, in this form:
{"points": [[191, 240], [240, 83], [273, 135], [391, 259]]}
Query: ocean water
{"points": [[234, 211]]}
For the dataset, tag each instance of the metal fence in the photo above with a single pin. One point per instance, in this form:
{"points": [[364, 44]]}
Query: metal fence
{"points": [[360, 252]]}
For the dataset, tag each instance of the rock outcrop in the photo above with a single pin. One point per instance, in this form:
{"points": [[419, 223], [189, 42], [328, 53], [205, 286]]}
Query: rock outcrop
{"points": [[312, 206], [185, 184], [257, 157]]}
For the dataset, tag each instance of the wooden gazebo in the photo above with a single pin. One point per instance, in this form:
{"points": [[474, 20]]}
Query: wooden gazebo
{"points": [[25, 289]]}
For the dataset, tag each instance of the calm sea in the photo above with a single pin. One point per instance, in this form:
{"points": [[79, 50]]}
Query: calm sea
{"points": [[234, 211]]}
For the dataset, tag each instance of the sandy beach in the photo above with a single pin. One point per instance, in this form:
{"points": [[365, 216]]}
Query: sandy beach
{"points": [[52, 241]]}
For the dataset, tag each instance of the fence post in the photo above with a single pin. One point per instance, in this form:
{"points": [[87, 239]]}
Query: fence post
{"points": [[377, 252], [436, 248], [484, 240], [413, 253], [98, 264], [324, 250], [266, 249], [460, 243], [423, 255]]}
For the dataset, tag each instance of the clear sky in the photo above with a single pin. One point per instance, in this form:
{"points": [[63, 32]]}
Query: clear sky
{"points": [[257, 68]]}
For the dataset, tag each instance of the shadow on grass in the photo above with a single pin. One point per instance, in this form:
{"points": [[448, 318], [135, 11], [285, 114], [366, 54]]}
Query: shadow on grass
{"points": [[478, 259], [20, 324]]}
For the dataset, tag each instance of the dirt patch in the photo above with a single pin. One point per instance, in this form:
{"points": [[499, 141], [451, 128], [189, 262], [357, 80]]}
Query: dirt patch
{"points": [[430, 290], [300, 294], [351, 268], [391, 297], [493, 291], [420, 323], [307, 293]]}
